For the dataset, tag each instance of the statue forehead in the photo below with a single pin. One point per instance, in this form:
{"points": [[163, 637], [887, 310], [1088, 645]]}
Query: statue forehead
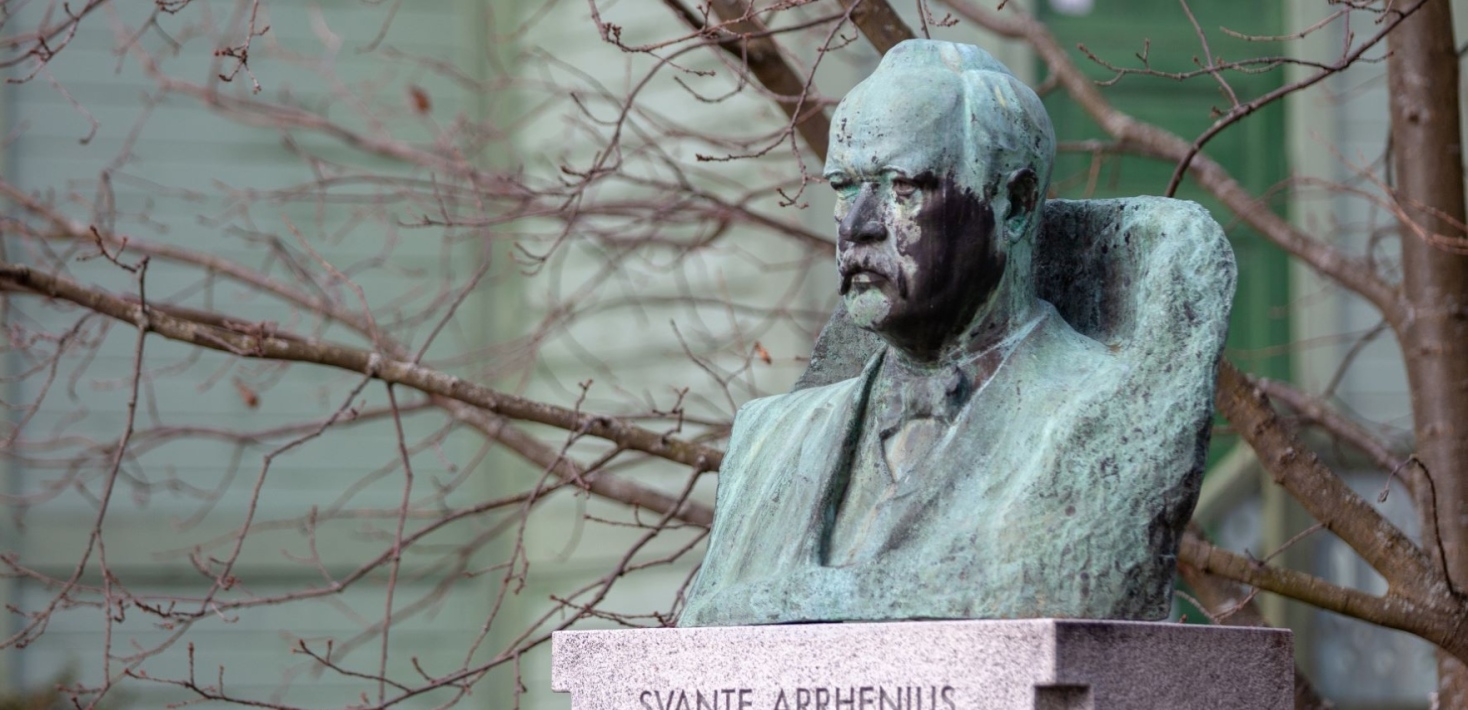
{"points": [[907, 119]]}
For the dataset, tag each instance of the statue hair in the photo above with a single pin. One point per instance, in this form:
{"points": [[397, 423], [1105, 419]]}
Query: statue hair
{"points": [[1004, 118]]}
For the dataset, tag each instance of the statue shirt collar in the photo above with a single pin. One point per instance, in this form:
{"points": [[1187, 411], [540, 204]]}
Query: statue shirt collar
{"points": [[909, 392]]}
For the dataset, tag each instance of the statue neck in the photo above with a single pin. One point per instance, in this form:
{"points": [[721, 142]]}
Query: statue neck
{"points": [[1009, 308], [915, 390]]}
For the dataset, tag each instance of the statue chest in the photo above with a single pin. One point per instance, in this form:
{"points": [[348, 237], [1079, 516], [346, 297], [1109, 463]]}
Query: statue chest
{"points": [[931, 490]]}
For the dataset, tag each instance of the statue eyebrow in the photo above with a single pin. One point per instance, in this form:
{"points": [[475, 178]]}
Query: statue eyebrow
{"points": [[923, 178], [863, 175]]}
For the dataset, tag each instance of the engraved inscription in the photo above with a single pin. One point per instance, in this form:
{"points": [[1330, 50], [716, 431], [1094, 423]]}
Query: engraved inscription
{"points": [[852, 697]]}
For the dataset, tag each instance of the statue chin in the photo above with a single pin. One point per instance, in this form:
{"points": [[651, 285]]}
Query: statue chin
{"points": [[868, 308]]}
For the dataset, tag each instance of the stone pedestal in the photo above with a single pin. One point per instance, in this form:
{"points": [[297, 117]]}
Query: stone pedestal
{"points": [[1033, 664]]}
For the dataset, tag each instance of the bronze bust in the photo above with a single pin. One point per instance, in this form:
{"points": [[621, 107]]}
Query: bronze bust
{"points": [[1007, 416]]}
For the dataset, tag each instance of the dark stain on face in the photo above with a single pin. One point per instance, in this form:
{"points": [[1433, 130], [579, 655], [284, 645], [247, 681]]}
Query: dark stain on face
{"points": [[958, 267]]}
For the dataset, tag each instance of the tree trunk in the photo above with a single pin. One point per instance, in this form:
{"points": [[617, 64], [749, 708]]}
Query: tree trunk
{"points": [[1427, 163]]}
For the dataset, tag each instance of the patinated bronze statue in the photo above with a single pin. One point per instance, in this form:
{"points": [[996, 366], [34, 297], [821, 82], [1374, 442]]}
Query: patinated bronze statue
{"points": [[1007, 417]]}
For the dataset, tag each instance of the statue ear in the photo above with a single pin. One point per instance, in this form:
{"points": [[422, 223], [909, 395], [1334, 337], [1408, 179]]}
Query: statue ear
{"points": [[1024, 194]]}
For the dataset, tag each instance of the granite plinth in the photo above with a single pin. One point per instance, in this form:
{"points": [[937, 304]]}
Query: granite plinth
{"points": [[1033, 664]]}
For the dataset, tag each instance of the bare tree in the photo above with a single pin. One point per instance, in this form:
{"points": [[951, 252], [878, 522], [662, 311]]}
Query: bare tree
{"points": [[639, 242]]}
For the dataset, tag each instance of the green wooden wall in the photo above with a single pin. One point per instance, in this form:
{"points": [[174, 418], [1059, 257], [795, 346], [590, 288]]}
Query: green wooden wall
{"points": [[1253, 151]]}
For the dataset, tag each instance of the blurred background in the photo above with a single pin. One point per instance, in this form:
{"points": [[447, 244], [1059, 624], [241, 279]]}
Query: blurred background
{"points": [[609, 207]]}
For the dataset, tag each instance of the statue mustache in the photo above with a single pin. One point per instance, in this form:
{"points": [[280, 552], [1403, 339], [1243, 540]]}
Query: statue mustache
{"points": [[854, 264]]}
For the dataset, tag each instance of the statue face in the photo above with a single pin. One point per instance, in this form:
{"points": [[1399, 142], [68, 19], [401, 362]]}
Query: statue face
{"points": [[918, 251]]}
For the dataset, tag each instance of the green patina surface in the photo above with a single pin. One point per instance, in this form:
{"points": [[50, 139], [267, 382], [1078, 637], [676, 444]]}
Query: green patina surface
{"points": [[1008, 414]]}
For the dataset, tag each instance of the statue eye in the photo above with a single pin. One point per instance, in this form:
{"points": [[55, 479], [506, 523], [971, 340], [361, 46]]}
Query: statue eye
{"points": [[903, 187], [840, 183]]}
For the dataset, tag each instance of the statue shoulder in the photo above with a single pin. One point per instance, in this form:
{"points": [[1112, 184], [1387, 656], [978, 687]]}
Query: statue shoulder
{"points": [[770, 431], [796, 409], [1070, 358]]}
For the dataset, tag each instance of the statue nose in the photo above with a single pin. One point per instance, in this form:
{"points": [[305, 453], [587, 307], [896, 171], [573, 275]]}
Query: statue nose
{"points": [[863, 223]]}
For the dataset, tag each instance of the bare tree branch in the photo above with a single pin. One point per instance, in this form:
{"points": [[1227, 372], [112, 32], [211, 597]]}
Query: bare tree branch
{"points": [[752, 45], [1294, 466], [1442, 623], [1227, 603], [879, 23], [1312, 409], [262, 345], [1354, 273]]}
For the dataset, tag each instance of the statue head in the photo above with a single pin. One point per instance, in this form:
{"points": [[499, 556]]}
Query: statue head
{"points": [[940, 160]]}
